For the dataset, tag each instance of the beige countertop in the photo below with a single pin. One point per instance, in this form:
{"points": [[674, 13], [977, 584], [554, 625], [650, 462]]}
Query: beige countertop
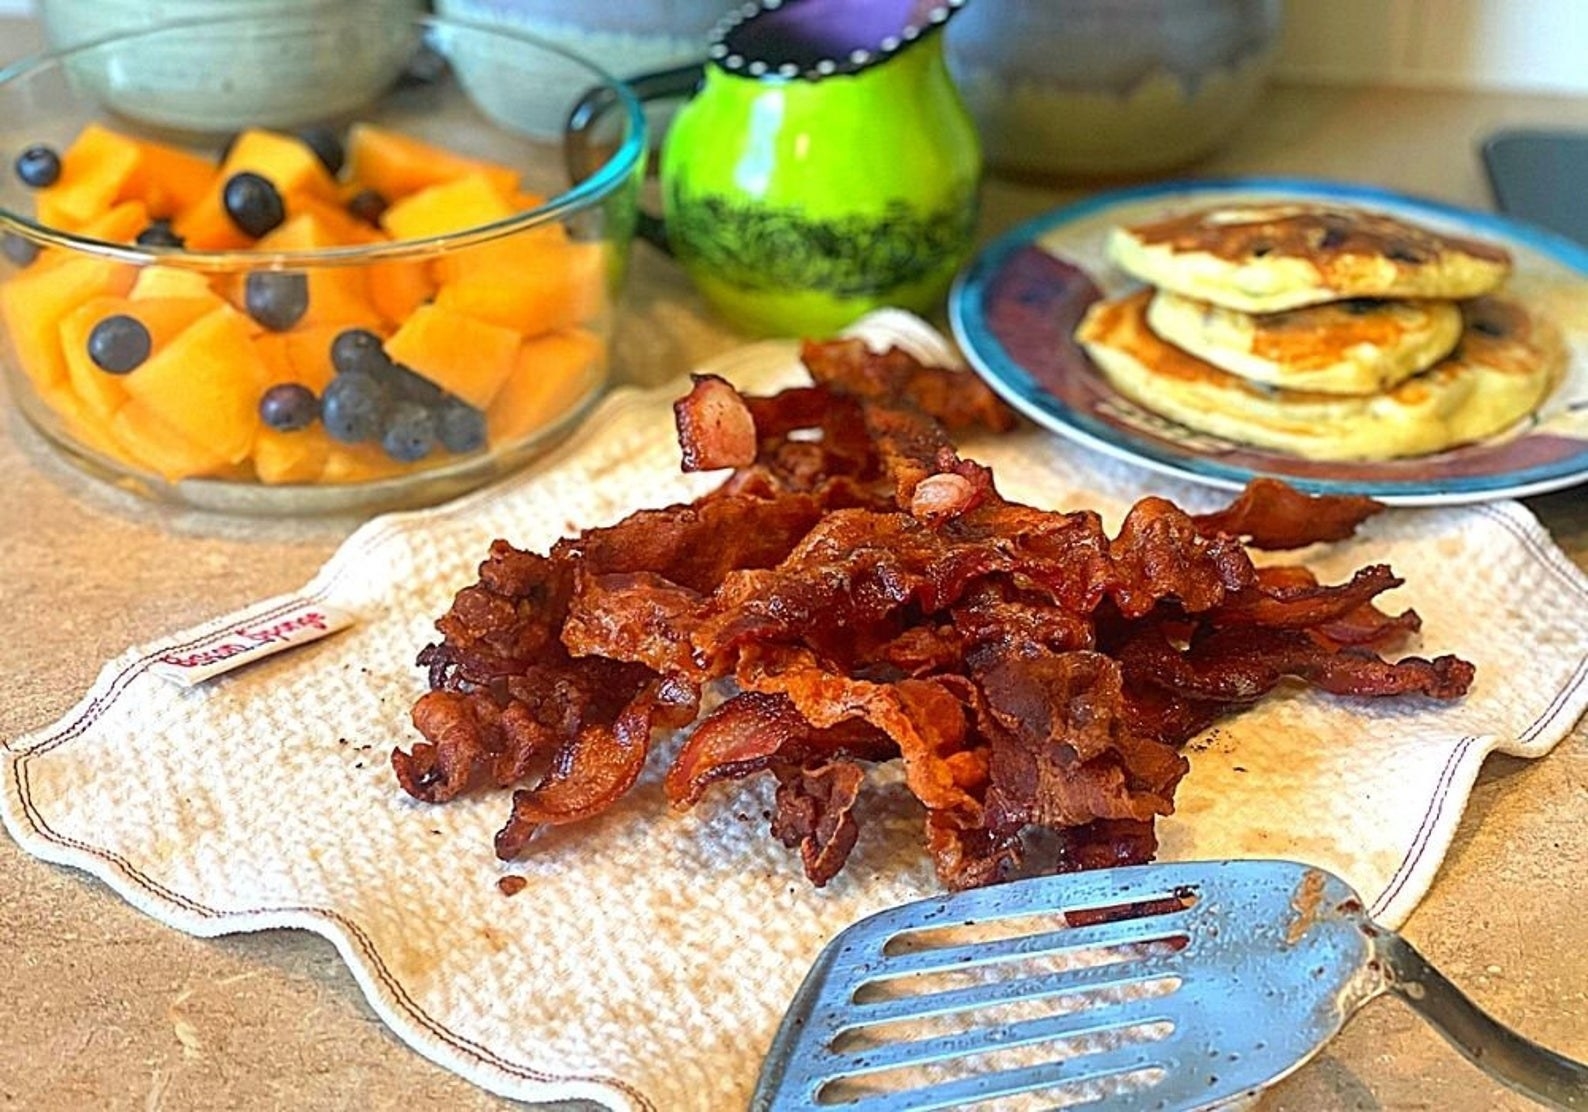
{"points": [[102, 1007]]}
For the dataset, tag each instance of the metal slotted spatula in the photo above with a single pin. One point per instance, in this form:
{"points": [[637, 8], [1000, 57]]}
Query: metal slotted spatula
{"points": [[1163, 986]]}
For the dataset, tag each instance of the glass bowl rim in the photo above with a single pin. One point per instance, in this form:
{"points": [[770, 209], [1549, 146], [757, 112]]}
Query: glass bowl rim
{"points": [[606, 180]]}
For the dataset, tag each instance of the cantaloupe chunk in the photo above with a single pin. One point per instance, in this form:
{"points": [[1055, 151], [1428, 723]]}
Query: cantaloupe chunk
{"points": [[206, 384], [205, 226], [551, 375], [287, 161], [309, 352], [94, 171], [504, 255], [358, 463], [542, 287], [343, 227], [289, 165], [168, 179], [395, 165], [33, 303], [396, 289], [141, 432], [302, 355], [454, 206], [272, 349], [467, 357], [121, 223], [304, 232], [101, 393], [155, 282], [291, 457], [104, 393]]}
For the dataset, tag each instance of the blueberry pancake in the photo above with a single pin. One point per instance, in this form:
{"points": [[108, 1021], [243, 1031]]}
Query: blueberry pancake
{"points": [[1360, 346], [1264, 258], [1505, 364]]}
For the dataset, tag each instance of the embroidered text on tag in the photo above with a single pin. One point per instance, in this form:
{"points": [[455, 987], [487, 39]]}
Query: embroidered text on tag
{"points": [[249, 640]]}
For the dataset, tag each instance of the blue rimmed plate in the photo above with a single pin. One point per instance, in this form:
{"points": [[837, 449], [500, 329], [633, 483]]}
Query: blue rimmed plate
{"points": [[1008, 310]]}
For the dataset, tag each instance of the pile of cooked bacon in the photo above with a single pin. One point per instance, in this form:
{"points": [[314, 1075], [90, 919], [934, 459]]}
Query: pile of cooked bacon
{"points": [[871, 597]]}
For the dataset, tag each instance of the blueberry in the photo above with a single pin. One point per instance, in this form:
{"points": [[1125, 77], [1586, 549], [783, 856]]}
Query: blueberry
{"points": [[326, 145], [404, 385], [460, 427], [253, 203], [19, 249], [276, 299], [159, 234], [288, 407], [410, 432], [358, 351], [119, 344], [353, 408], [367, 205], [38, 166]]}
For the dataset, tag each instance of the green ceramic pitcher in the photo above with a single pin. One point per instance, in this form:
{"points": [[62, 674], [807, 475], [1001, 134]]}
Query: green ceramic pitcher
{"points": [[823, 166]]}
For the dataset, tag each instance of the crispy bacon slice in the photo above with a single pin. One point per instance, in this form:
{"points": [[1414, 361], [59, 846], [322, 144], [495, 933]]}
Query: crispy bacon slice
{"points": [[1063, 752], [1241, 666], [1368, 627], [1290, 595], [971, 856], [748, 733], [926, 718], [1274, 515], [598, 766], [461, 745], [696, 546], [1104, 844], [814, 815], [715, 428], [875, 598], [958, 401], [636, 616], [1276, 604], [1161, 554]]}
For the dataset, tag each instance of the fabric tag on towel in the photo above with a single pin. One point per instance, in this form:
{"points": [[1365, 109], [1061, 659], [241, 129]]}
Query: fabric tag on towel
{"points": [[250, 636]]}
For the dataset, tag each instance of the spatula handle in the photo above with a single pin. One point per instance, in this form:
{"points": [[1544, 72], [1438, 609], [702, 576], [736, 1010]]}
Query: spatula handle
{"points": [[1494, 1048]]}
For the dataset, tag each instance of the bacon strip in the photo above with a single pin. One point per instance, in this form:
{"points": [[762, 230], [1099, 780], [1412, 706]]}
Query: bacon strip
{"points": [[715, 428], [1274, 515], [592, 772], [814, 815]]}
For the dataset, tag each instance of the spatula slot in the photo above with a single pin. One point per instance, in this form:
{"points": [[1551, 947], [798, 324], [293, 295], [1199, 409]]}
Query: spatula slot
{"points": [[994, 929], [1104, 944], [857, 1095], [1042, 974], [1061, 1060], [991, 1006]]}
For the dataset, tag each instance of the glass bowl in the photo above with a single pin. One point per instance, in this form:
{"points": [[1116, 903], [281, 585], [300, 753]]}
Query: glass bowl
{"points": [[388, 332]]}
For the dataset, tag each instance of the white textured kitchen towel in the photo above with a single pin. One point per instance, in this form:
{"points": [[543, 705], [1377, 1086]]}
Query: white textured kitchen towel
{"points": [[648, 960]]}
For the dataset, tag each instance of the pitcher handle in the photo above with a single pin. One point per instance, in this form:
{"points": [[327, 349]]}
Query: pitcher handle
{"points": [[582, 156]]}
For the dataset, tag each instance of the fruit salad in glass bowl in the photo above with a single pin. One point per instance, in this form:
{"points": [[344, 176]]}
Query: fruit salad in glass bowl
{"points": [[382, 309]]}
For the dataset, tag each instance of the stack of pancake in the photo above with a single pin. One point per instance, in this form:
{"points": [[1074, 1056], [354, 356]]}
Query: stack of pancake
{"points": [[1330, 333]]}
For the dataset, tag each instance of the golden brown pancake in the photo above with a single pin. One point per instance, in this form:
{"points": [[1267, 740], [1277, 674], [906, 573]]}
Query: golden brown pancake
{"points": [[1342, 347], [1264, 258], [1504, 366]]}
